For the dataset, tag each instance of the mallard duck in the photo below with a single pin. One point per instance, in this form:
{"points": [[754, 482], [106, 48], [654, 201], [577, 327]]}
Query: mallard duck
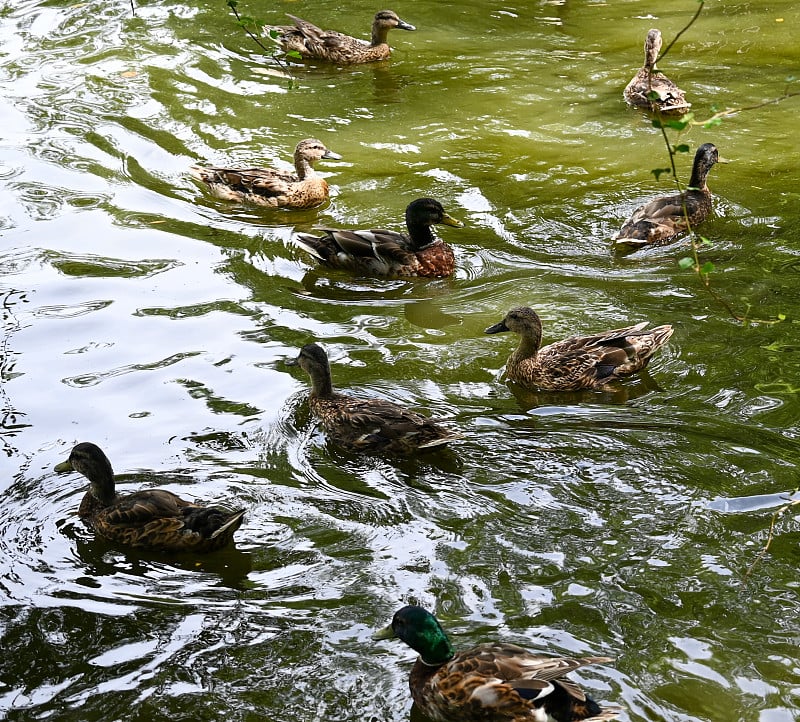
{"points": [[493, 682], [370, 425], [153, 519], [312, 42], [659, 221], [270, 187], [669, 99], [389, 254], [578, 362]]}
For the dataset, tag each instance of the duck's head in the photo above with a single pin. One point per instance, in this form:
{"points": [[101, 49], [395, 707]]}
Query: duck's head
{"points": [[522, 320], [705, 158], [389, 19], [421, 631], [652, 47], [429, 212], [313, 150], [314, 361], [88, 459]]}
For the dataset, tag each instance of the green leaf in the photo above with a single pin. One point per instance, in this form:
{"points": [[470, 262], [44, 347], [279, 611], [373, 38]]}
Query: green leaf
{"points": [[657, 172], [232, 4], [680, 123], [686, 262], [707, 268], [682, 148], [294, 54], [713, 122], [656, 123], [705, 241]]}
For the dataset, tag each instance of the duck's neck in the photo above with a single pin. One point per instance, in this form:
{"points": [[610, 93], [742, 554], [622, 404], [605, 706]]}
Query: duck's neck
{"points": [[529, 344], [421, 234], [303, 167], [380, 35], [321, 384], [699, 176]]}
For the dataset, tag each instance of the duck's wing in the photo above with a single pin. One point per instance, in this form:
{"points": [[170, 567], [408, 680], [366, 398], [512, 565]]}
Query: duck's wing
{"points": [[266, 182], [374, 244]]}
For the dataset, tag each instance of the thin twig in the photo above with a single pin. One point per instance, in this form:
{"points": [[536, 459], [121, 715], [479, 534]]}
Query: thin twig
{"points": [[682, 31], [283, 64]]}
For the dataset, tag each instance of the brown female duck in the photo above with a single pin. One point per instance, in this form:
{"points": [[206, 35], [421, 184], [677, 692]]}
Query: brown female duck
{"points": [[310, 41], [650, 88], [269, 187], [661, 220], [578, 362], [389, 254], [493, 682], [153, 519], [370, 425]]}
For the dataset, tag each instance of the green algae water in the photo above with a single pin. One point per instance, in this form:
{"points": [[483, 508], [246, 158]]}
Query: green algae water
{"points": [[144, 315]]}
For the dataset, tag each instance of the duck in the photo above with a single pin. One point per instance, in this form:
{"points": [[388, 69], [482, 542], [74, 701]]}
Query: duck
{"points": [[650, 88], [151, 519], [661, 220], [270, 187], [314, 43], [365, 425], [492, 682], [578, 362], [389, 254]]}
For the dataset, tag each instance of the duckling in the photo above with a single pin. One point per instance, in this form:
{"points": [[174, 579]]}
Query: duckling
{"points": [[669, 99], [312, 42], [389, 254], [153, 519], [270, 187], [493, 682], [578, 362], [661, 220], [369, 425]]}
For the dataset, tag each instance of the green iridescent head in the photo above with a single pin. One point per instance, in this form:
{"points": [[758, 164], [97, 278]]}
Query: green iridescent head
{"points": [[420, 630]]}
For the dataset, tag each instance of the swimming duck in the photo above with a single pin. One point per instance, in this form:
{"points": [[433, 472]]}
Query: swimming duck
{"points": [[493, 682], [669, 99], [153, 519], [312, 42], [270, 187], [389, 254], [370, 425], [578, 362], [659, 221]]}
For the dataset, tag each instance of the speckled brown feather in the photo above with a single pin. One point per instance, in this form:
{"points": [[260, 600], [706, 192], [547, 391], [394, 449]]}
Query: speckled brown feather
{"points": [[662, 220], [493, 682], [385, 253], [670, 99], [270, 187], [365, 425], [578, 362], [312, 42], [153, 519]]}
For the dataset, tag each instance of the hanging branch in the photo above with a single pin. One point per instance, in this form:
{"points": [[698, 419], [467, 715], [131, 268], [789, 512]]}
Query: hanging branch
{"points": [[246, 22]]}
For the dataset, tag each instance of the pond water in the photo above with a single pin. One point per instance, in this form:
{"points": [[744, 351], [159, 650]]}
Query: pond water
{"points": [[146, 316]]}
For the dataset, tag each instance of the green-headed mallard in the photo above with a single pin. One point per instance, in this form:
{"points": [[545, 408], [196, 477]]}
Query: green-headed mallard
{"points": [[669, 99], [153, 519], [389, 254], [270, 187], [578, 362], [493, 682], [370, 425], [312, 42], [659, 221]]}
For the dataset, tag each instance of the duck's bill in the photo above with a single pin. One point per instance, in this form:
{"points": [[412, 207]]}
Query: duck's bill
{"points": [[62, 467], [450, 221], [403, 25], [497, 328], [330, 155], [386, 633]]}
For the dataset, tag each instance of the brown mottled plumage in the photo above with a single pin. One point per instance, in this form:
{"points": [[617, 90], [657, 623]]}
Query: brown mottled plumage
{"points": [[369, 425], [492, 682], [661, 220], [389, 254], [270, 187], [311, 42], [669, 98], [153, 519], [578, 362]]}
